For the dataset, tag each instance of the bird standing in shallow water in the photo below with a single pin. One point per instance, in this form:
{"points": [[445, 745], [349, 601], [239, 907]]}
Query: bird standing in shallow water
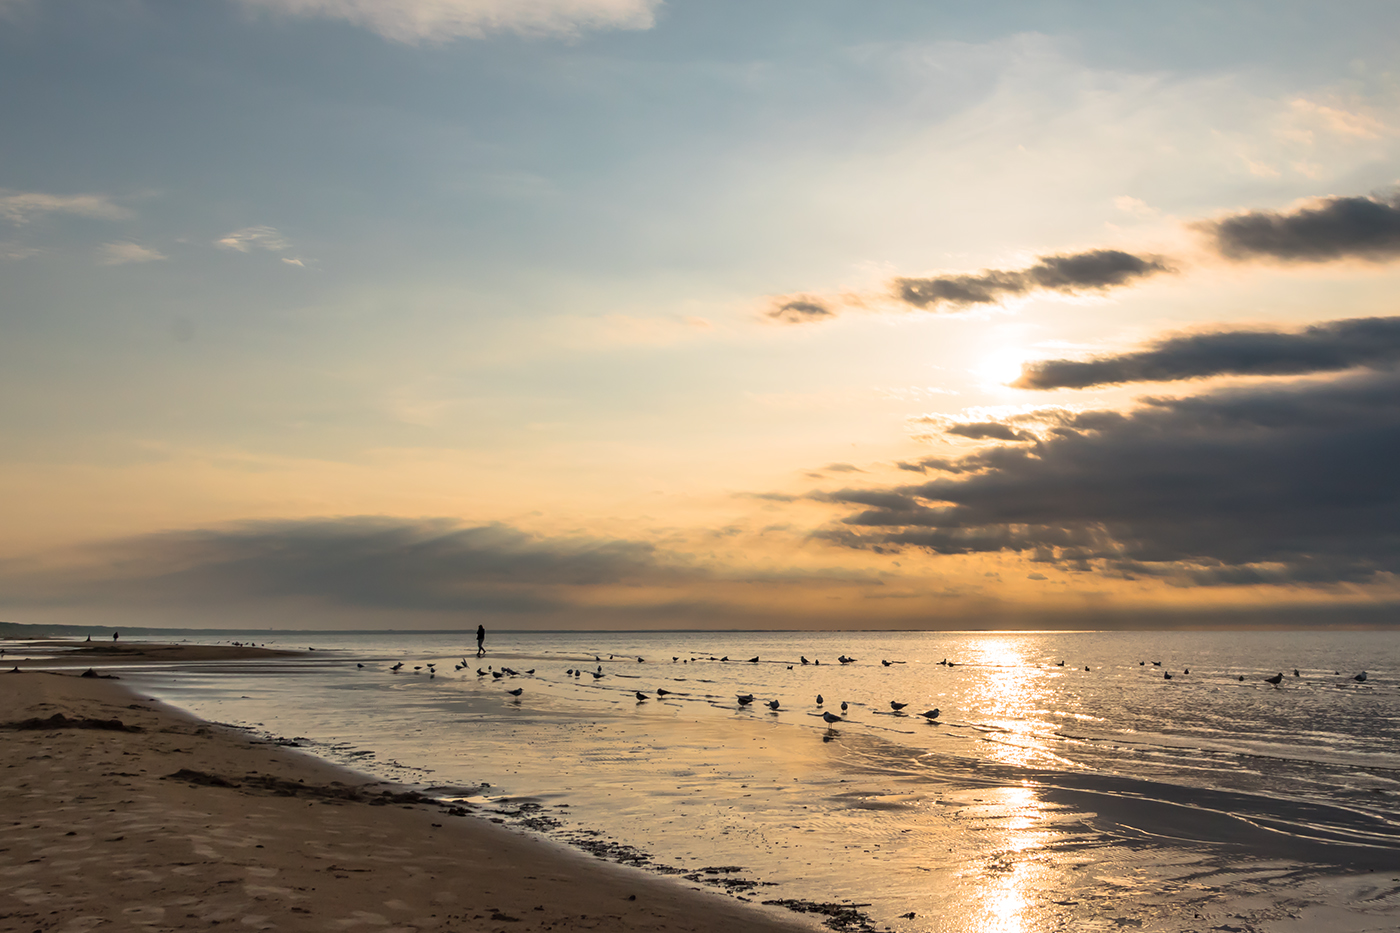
{"points": [[642, 696], [843, 707], [1360, 678], [831, 718], [896, 706], [930, 715], [745, 699], [819, 699], [773, 704], [516, 692], [1275, 680]]}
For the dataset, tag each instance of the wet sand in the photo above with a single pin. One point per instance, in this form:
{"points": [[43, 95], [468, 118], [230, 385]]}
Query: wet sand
{"points": [[126, 813], [45, 653]]}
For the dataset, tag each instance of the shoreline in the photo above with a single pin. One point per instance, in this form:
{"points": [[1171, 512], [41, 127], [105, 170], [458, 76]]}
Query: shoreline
{"points": [[130, 812]]}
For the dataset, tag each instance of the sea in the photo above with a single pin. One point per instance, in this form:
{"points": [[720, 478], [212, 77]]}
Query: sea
{"points": [[991, 782]]}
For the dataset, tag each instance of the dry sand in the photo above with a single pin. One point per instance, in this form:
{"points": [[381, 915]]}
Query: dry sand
{"points": [[183, 825]]}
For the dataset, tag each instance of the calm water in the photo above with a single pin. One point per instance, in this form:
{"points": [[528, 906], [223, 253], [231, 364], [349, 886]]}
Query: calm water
{"points": [[1044, 797]]}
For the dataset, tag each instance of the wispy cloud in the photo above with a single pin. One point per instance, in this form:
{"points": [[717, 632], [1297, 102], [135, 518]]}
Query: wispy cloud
{"points": [[251, 238], [21, 207], [440, 20], [13, 250], [1324, 230], [261, 237], [120, 253]]}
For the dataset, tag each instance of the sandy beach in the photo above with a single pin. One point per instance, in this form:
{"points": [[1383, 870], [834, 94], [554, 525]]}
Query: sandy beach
{"points": [[121, 813]]}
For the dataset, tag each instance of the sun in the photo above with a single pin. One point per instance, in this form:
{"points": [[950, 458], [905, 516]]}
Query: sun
{"points": [[1002, 366]]}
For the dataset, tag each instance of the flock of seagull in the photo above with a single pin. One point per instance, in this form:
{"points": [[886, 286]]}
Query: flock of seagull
{"points": [[746, 699]]}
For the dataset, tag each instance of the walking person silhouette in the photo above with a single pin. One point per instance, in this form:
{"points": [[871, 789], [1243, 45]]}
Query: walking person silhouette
{"points": [[480, 640]]}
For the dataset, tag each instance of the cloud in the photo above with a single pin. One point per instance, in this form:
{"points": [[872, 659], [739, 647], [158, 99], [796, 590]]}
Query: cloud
{"points": [[250, 238], [1282, 485], [364, 562], [987, 430], [12, 250], [1325, 230], [1338, 345], [414, 21], [799, 309], [116, 254], [21, 207], [1095, 270]]}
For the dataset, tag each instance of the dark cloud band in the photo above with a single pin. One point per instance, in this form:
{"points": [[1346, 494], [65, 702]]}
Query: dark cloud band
{"points": [[1331, 347], [1335, 228], [1096, 270], [1279, 485]]}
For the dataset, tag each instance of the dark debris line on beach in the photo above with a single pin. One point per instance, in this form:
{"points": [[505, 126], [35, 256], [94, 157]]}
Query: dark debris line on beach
{"points": [[844, 918]]}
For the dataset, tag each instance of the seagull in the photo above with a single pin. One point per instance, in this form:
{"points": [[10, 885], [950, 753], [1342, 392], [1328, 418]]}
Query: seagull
{"points": [[597, 674], [884, 662], [820, 701], [1275, 680], [845, 660], [1360, 678], [642, 696], [773, 705], [1241, 678], [753, 660], [930, 715], [843, 707], [396, 667], [896, 706], [530, 671], [745, 699], [831, 718], [516, 692], [1186, 671], [804, 660], [674, 659], [1295, 672], [1167, 675], [497, 674], [1061, 664], [1156, 663], [641, 660], [359, 665], [662, 692]]}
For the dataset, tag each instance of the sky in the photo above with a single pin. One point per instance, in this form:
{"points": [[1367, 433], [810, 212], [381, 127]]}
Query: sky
{"points": [[646, 314]]}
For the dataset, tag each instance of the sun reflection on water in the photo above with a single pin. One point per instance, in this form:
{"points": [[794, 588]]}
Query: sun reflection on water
{"points": [[1011, 698], [1017, 870]]}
